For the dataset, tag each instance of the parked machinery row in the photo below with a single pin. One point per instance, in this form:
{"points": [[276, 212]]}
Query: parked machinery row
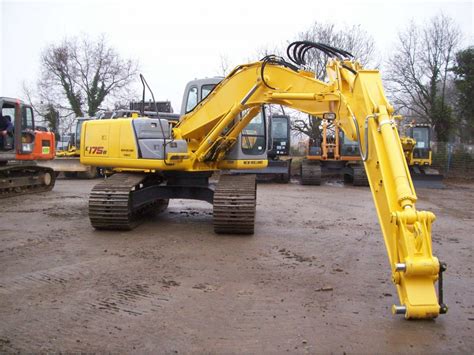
{"points": [[223, 127], [333, 154]]}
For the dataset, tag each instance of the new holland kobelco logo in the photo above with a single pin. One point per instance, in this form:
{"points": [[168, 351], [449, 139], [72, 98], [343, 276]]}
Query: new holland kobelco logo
{"points": [[96, 150]]}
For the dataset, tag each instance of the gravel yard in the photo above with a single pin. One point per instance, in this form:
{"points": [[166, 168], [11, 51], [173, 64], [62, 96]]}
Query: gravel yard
{"points": [[313, 279]]}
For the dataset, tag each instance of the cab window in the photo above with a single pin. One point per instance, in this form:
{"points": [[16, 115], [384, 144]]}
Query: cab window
{"points": [[9, 112], [279, 128], [206, 90], [253, 136], [346, 140], [27, 118], [192, 99], [421, 135], [77, 138]]}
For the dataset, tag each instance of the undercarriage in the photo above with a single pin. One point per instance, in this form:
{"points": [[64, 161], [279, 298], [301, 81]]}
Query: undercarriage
{"points": [[123, 200]]}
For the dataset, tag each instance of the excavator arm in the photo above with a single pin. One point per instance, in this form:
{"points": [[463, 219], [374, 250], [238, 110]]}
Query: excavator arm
{"points": [[356, 97]]}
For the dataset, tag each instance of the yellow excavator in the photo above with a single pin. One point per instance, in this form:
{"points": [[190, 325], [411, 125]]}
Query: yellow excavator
{"points": [[416, 144], [160, 161]]}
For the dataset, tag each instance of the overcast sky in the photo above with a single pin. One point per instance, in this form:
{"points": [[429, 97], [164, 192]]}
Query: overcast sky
{"points": [[177, 41]]}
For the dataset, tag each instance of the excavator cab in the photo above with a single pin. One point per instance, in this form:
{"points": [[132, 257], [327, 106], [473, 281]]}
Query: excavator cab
{"points": [[421, 133], [278, 146], [76, 137], [22, 145], [279, 136], [348, 147], [23, 141], [416, 143], [263, 138], [250, 147], [334, 155], [11, 117]]}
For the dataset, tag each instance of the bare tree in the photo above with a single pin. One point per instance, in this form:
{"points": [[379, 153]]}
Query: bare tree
{"points": [[308, 126], [224, 65], [47, 105], [263, 51], [78, 74], [420, 71], [353, 39], [464, 82]]}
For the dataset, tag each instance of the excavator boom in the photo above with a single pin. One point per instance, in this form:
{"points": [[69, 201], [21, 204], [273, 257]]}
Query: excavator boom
{"points": [[356, 97]]}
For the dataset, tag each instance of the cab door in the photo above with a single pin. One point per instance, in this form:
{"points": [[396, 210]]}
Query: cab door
{"points": [[26, 129]]}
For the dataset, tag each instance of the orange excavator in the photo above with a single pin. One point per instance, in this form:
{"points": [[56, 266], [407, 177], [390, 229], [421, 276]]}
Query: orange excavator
{"points": [[22, 145], [334, 154]]}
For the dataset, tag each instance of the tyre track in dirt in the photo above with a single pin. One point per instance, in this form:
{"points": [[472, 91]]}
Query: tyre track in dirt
{"points": [[313, 278]]}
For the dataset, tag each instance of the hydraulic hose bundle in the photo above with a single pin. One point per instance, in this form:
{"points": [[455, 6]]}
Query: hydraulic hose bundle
{"points": [[296, 51]]}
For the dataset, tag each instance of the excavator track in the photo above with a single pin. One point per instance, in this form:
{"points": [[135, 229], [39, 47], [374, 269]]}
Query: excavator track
{"points": [[110, 203], [310, 173], [23, 179], [360, 177], [235, 204]]}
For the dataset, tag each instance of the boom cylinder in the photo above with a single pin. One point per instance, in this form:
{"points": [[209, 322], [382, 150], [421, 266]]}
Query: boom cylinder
{"points": [[387, 128]]}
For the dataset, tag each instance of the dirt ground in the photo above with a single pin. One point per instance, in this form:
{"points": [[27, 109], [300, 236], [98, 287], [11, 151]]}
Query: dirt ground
{"points": [[313, 279]]}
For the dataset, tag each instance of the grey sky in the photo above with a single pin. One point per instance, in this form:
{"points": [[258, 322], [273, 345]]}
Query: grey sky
{"points": [[176, 41]]}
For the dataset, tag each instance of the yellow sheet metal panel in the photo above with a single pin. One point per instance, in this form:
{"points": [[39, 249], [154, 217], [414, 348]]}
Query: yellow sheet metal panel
{"points": [[108, 139], [95, 138]]}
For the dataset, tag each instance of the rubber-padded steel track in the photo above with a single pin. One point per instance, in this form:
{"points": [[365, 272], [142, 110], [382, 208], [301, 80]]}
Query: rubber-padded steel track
{"points": [[360, 177], [310, 173], [234, 204], [25, 179], [110, 202]]}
